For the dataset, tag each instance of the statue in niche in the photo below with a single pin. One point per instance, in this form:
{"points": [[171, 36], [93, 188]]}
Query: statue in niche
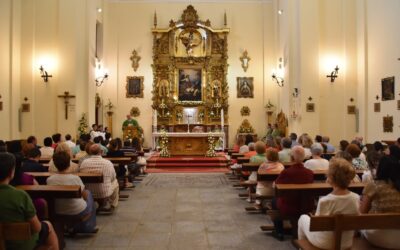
{"points": [[216, 89], [163, 88], [282, 123]]}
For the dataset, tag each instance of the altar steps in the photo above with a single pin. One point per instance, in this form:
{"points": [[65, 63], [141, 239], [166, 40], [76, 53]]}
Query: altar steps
{"points": [[187, 161]]}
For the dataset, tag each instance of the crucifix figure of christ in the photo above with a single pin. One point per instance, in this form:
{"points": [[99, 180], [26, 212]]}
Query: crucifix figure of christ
{"points": [[66, 97]]}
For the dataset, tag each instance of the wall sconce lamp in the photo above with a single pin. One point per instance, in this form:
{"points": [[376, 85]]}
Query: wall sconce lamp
{"points": [[278, 80], [44, 74], [100, 79], [295, 93], [245, 59], [100, 74], [334, 74]]}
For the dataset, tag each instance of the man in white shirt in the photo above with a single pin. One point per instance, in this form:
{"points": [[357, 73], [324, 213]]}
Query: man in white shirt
{"points": [[47, 151], [108, 190], [70, 143], [317, 162], [93, 133], [79, 207]]}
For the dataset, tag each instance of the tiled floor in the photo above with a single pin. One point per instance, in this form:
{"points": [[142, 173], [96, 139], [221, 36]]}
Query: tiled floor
{"points": [[181, 211]]}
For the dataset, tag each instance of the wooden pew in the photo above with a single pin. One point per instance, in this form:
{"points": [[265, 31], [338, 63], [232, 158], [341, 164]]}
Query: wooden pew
{"points": [[114, 160], [236, 155], [304, 190], [44, 160], [340, 223], [327, 156], [14, 231], [250, 166], [312, 189], [41, 177], [231, 151], [241, 160], [50, 193]]}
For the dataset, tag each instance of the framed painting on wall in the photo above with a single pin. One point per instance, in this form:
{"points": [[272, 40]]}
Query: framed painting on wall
{"points": [[377, 107], [134, 86], [388, 88], [351, 109], [310, 107], [25, 107], [190, 85], [245, 87]]}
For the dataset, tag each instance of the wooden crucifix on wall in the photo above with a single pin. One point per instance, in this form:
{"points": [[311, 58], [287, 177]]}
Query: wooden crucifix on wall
{"points": [[66, 97]]}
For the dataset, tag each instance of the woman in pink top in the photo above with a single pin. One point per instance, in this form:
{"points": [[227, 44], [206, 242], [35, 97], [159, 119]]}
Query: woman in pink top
{"points": [[271, 165]]}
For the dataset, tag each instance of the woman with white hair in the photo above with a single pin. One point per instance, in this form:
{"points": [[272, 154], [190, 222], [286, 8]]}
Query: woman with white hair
{"points": [[64, 147], [317, 162]]}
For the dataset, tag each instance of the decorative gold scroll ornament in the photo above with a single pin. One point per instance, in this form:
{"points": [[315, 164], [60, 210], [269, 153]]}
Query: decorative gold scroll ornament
{"points": [[164, 144], [135, 112], [211, 147], [135, 58], [246, 127], [245, 111]]}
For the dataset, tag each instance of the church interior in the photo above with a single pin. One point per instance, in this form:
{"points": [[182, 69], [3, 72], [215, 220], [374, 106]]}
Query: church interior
{"points": [[205, 124]]}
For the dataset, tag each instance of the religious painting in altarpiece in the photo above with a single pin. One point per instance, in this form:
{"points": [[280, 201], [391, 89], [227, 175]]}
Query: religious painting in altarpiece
{"points": [[190, 70]]}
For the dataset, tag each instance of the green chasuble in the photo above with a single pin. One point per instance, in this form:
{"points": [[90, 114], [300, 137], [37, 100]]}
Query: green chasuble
{"points": [[131, 122]]}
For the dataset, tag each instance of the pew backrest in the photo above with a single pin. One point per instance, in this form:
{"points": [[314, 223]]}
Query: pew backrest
{"points": [[241, 160], [14, 231], [312, 189], [339, 223], [41, 177]]}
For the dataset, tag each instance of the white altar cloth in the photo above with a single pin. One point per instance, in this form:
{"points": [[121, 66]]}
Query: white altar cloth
{"points": [[155, 135]]}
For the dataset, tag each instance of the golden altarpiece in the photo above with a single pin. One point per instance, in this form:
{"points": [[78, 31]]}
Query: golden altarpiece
{"points": [[190, 89]]}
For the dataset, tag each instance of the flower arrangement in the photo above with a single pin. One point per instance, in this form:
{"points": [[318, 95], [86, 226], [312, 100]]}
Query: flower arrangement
{"points": [[83, 124]]}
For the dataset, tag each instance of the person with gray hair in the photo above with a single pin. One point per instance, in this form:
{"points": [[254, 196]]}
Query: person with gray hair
{"points": [[330, 149], [252, 146], [284, 154], [108, 191], [317, 162], [293, 206]]}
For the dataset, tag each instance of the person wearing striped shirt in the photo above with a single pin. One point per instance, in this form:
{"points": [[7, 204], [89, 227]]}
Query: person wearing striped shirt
{"points": [[108, 190]]}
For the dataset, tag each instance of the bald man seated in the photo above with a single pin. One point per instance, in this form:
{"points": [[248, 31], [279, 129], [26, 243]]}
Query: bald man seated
{"points": [[105, 193]]}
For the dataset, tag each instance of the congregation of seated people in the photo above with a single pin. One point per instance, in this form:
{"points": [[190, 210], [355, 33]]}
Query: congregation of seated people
{"points": [[377, 165], [63, 159]]}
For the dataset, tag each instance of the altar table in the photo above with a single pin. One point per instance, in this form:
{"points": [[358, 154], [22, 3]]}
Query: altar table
{"points": [[181, 143]]}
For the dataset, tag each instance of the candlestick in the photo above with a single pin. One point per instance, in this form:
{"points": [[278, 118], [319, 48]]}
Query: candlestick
{"points": [[222, 120], [155, 120]]}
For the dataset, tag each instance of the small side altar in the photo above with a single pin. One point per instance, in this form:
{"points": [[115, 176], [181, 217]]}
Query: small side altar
{"points": [[181, 143]]}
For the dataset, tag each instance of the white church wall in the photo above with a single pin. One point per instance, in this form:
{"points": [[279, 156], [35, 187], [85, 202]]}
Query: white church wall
{"points": [[60, 36], [127, 27], [337, 39], [365, 41], [312, 31], [383, 51], [5, 77]]}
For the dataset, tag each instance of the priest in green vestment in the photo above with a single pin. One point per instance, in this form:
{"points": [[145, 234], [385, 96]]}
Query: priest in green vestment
{"points": [[130, 122]]}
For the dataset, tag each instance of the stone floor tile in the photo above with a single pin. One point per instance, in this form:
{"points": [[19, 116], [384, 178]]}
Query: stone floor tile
{"points": [[150, 239]]}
